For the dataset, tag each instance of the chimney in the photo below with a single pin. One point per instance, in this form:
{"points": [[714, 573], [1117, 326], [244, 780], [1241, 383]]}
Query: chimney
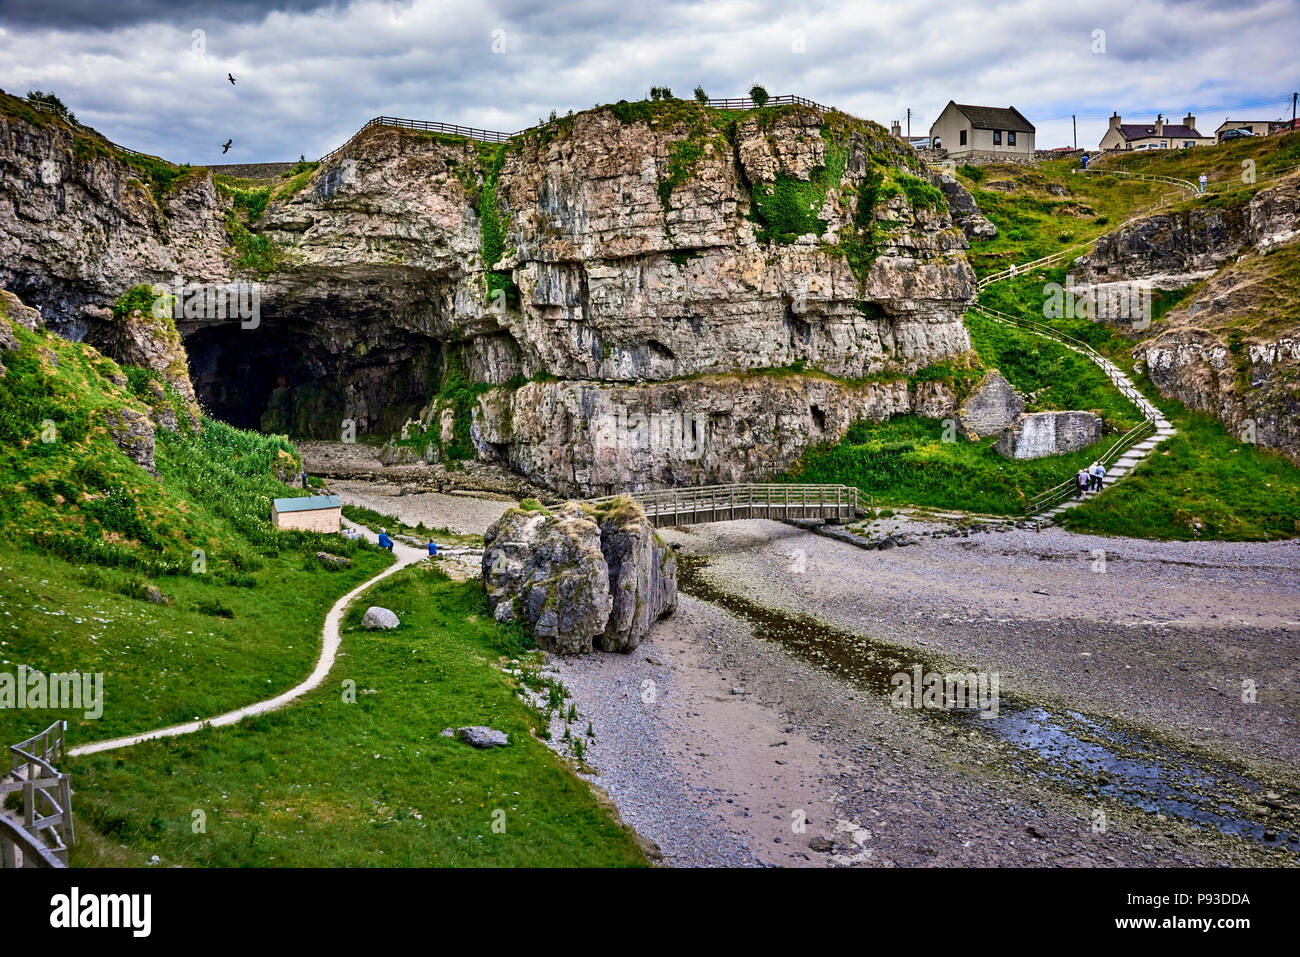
{"points": [[1189, 121], [896, 128], [1114, 121], [1160, 124]]}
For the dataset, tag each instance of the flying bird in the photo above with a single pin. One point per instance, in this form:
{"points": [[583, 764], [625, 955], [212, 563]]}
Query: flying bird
{"points": [[231, 79], [226, 147]]}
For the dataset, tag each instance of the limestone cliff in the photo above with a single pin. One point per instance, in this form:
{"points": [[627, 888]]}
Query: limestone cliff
{"points": [[640, 259], [1233, 350]]}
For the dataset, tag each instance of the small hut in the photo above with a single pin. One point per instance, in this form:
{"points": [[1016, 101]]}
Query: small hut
{"points": [[312, 513]]}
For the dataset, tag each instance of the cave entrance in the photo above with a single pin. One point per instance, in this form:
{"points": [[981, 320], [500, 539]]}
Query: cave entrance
{"points": [[280, 377]]}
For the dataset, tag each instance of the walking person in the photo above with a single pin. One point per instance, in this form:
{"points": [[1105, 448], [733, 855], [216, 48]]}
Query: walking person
{"points": [[1201, 184], [1098, 475], [1084, 160], [1081, 482]]}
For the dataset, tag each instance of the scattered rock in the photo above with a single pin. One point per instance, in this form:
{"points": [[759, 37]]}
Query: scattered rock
{"points": [[481, 736], [376, 617], [333, 561]]}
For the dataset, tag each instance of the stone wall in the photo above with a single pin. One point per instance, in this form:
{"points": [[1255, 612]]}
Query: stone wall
{"points": [[1038, 434]]}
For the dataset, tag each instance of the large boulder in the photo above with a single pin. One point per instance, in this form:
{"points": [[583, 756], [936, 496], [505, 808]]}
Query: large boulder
{"points": [[547, 570], [992, 407], [580, 578], [642, 575]]}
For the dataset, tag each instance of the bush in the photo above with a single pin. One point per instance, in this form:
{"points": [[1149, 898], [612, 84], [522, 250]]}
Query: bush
{"points": [[758, 95], [700, 95]]}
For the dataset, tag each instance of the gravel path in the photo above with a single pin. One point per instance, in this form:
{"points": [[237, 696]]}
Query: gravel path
{"points": [[330, 640]]}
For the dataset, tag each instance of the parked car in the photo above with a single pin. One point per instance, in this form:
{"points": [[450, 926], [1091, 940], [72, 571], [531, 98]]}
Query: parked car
{"points": [[1235, 135]]}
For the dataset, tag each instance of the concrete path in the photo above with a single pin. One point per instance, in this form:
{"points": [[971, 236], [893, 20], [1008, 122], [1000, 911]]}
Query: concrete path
{"points": [[331, 638]]}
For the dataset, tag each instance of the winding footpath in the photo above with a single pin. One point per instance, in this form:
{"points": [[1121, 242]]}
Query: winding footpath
{"points": [[331, 638]]}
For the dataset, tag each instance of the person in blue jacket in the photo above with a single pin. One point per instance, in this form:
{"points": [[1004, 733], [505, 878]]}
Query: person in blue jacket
{"points": [[433, 548], [384, 540]]}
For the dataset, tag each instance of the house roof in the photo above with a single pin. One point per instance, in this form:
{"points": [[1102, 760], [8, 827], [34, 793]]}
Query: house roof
{"points": [[308, 503], [995, 118], [1141, 131]]}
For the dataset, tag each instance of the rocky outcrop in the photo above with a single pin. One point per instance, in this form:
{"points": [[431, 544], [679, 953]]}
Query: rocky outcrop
{"points": [[1172, 250], [580, 578], [1233, 350], [133, 432], [965, 213], [992, 407], [1038, 434], [642, 575], [592, 438], [80, 225]]}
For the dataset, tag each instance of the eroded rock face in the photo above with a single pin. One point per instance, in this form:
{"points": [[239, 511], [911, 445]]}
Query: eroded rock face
{"points": [[1172, 250], [580, 579], [78, 227], [1038, 434], [592, 438], [965, 213], [1233, 351]]}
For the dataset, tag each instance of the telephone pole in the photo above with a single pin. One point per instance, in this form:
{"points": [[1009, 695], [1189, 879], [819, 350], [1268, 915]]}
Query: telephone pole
{"points": [[1293, 97], [909, 124], [1074, 121]]}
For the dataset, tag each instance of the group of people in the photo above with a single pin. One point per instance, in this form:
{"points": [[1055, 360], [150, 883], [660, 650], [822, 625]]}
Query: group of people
{"points": [[385, 541], [1090, 479]]}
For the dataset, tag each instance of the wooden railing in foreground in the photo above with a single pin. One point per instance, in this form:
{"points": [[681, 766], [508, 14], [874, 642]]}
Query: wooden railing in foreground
{"points": [[725, 503], [47, 800]]}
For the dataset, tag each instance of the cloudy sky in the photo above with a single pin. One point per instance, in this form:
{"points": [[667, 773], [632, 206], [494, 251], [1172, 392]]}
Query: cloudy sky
{"points": [[151, 74]]}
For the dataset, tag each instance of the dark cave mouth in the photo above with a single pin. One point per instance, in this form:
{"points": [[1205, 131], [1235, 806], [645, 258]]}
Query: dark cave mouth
{"points": [[279, 377]]}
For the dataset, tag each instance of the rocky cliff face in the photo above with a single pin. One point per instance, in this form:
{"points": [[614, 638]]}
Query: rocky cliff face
{"points": [[1171, 250], [1234, 350], [628, 258]]}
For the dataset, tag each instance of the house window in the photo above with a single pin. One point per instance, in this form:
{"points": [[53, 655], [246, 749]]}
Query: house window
{"points": [[997, 137], [963, 137], [1188, 143], [1011, 137]]}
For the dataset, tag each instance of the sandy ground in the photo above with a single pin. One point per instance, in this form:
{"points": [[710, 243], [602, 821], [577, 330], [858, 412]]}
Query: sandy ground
{"points": [[726, 749]]}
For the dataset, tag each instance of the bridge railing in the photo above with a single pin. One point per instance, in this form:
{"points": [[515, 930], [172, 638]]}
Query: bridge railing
{"points": [[47, 792], [712, 503]]}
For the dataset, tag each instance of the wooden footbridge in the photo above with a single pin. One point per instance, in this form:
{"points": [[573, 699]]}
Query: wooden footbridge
{"points": [[726, 503]]}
